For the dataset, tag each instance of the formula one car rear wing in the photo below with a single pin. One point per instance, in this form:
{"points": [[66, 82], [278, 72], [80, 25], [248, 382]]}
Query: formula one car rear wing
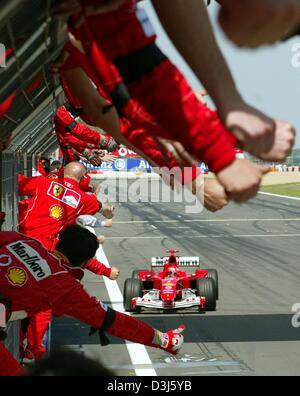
{"points": [[182, 261]]}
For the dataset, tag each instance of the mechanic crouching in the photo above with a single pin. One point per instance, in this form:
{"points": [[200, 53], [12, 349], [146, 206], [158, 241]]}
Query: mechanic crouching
{"points": [[33, 280]]}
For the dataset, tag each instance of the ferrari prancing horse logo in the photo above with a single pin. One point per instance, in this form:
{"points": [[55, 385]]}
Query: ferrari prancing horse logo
{"points": [[57, 190]]}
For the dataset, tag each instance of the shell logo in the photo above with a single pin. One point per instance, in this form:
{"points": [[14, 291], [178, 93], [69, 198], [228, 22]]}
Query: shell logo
{"points": [[16, 276], [56, 212]]}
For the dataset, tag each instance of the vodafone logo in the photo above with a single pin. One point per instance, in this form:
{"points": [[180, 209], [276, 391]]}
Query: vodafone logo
{"points": [[125, 152], [5, 260]]}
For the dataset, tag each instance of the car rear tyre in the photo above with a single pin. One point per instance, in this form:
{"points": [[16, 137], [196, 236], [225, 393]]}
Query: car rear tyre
{"points": [[206, 288], [132, 288], [213, 274]]}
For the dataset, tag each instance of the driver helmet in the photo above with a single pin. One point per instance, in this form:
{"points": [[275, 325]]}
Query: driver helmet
{"points": [[172, 271]]}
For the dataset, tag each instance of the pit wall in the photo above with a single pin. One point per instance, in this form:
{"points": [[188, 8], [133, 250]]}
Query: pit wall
{"points": [[10, 165]]}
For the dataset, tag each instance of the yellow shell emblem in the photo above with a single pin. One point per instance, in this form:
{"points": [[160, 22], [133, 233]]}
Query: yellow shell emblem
{"points": [[57, 212], [17, 276], [57, 190]]}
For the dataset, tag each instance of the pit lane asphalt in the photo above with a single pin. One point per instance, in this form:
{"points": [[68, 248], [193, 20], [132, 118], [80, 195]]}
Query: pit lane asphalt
{"points": [[254, 247]]}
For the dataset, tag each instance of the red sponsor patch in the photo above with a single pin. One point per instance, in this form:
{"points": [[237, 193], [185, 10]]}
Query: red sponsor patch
{"points": [[64, 194], [71, 198]]}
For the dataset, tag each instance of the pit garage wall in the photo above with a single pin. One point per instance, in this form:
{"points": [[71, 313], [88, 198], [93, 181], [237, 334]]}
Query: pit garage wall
{"points": [[10, 165]]}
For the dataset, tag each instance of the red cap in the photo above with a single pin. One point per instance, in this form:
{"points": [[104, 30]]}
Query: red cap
{"points": [[2, 216]]}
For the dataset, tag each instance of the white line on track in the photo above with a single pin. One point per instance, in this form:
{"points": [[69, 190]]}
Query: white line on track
{"points": [[218, 372], [180, 227], [280, 196], [206, 221], [208, 236], [186, 364], [137, 352]]}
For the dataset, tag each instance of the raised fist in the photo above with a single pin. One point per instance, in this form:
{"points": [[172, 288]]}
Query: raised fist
{"points": [[93, 156], [171, 341]]}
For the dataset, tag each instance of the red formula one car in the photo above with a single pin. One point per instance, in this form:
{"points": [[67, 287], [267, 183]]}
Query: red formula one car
{"points": [[172, 288]]}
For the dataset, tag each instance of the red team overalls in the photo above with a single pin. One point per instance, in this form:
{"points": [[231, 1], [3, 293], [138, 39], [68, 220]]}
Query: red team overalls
{"points": [[54, 203], [72, 134], [34, 280]]}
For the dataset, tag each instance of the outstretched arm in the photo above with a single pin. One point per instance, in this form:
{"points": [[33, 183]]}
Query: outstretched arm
{"points": [[75, 302], [93, 105], [194, 38], [188, 26]]}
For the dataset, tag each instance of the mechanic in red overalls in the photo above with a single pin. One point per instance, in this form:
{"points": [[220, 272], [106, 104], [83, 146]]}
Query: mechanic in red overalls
{"points": [[72, 134], [33, 280], [53, 204], [43, 165], [28, 186]]}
